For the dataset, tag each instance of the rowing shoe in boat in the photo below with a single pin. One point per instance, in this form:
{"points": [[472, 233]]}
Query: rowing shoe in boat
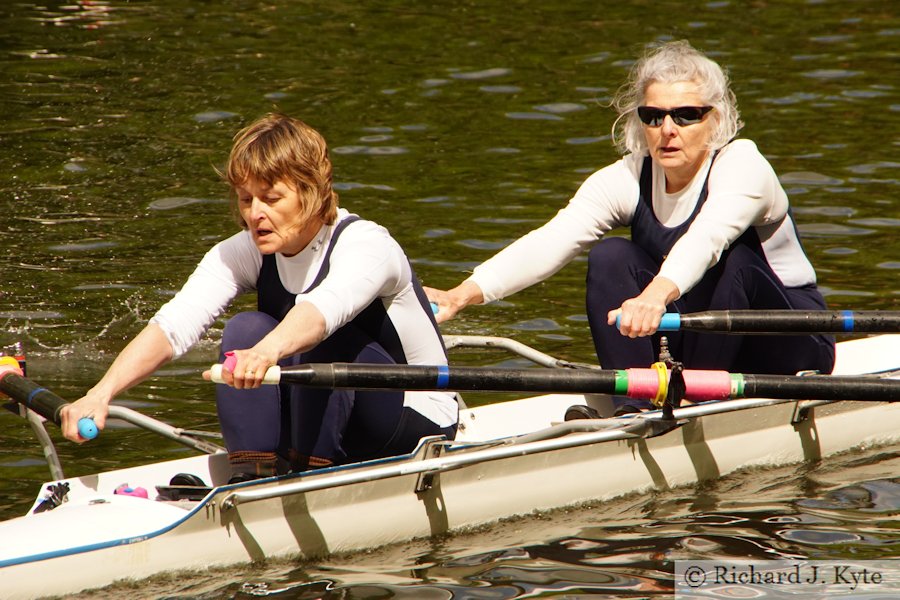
{"points": [[510, 458]]}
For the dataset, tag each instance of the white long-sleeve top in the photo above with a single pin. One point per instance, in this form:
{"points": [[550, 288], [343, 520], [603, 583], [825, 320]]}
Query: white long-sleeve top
{"points": [[743, 192], [365, 264]]}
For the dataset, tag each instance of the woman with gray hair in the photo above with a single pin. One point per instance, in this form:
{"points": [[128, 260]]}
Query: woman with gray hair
{"points": [[711, 229]]}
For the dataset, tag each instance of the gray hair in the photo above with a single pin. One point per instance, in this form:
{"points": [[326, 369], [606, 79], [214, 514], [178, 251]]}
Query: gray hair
{"points": [[670, 63]]}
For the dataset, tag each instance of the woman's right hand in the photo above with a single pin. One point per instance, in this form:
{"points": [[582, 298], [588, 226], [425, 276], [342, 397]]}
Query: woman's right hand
{"points": [[91, 406], [449, 303], [446, 308]]}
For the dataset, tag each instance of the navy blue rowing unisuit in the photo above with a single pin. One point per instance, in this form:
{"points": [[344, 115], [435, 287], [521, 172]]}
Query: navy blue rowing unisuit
{"points": [[620, 269], [302, 428]]}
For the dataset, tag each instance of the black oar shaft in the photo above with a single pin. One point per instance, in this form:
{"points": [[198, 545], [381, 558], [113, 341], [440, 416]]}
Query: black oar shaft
{"points": [[419, 377], [821, 387], [26, 392], [42, 401], [790, 321], [624, 382]]}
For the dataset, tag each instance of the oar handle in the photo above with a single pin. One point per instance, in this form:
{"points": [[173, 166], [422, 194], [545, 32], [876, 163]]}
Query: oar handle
{"points": [[782, 322], [87, 428], [669, 322], [273, 374]]}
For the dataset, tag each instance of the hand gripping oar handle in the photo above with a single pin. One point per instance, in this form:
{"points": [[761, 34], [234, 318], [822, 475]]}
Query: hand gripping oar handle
{"points": [[39, 399], [273, 374], [777, 322], [636, 383]]}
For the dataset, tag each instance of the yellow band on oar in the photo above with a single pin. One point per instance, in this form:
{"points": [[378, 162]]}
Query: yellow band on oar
{"points": [[663, 389], [9, 360]]}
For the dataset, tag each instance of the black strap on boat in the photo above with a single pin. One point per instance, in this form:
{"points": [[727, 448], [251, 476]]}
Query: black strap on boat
{"points": [[676, 390]]}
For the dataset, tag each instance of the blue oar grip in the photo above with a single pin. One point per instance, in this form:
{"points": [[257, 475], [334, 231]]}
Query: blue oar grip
{"points": [[669, 322], [434, 307], [87, 428]]}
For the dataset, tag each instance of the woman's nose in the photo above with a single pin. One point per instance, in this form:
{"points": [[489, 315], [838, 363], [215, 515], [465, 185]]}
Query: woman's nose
{"points": [[254, 210], [669, 128]]}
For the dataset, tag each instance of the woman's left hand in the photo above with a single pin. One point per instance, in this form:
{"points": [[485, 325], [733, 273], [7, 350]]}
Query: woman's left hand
{"points": [[640, 316], [249, 370]]}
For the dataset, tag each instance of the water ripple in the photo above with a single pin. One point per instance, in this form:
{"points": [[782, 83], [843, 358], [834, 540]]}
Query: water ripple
{"points": [[561, 107], [106, 286], [536, 325], [840, 251], [354, 185], [580, 141], [828, 211], [214, 116], [533, 116], [831, 39], [373, 150], [807, 178], [483, 245], [483, 74], [830, 74], [864, 94], [437, 233], [29, 314], [869, 168], [831, 230], [795, 98], [176, 202], [435, 199], [83, 246], [374, 139], [878, 222], [500, 89]]}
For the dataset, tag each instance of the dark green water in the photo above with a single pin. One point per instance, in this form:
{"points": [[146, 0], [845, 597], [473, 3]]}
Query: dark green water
{"points": [[459, 126]]}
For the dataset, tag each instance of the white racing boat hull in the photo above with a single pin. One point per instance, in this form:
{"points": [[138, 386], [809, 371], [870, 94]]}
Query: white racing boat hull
{"points": [[97, 537]]}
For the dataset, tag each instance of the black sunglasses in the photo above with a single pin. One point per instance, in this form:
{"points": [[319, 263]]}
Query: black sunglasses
{"points": [[683, 115]]}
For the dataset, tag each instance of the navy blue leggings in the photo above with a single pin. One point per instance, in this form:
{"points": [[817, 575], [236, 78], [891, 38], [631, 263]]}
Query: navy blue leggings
{"points": [[316, 427], [618, 270]]}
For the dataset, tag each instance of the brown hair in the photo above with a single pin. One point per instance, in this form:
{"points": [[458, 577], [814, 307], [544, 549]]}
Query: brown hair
{"points": [[279, 148]]}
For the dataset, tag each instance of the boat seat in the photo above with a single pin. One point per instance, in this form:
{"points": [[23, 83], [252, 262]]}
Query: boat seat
{"points": [[581, 411]]}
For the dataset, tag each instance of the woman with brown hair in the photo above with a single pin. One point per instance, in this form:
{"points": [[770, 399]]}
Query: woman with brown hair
{"points": [[330, 287]]}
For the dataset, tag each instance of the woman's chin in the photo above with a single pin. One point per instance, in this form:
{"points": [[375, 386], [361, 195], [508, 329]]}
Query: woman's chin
{"points": [[266, 248]]}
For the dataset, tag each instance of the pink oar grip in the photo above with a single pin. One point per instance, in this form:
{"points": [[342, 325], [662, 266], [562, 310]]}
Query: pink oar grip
{"points": [[230, 361], [642, 383], [707, 385], [699, 385]]}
